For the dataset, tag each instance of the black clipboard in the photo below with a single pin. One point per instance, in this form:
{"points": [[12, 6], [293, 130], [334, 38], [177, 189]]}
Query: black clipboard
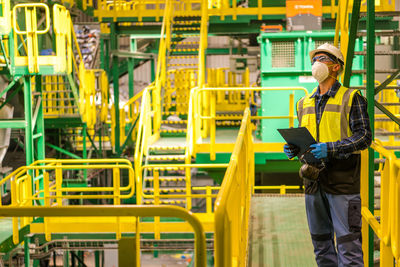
{"points": [[301, 138]]}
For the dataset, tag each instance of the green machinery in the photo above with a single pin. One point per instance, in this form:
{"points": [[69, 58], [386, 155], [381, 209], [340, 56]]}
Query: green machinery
{"points": [[285, 62]]}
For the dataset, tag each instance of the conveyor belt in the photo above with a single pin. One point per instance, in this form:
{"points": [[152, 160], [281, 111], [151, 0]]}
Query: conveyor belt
{"points": [[278, 234]]}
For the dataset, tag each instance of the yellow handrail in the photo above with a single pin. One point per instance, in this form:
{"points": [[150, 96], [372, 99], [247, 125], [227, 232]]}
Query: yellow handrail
{"points": [[31, 31], [117, 211], [23, 194], [232, 206], [199, 125], [387, 229]]}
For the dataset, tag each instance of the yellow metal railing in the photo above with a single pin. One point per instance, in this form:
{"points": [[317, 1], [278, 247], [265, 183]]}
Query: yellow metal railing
{"points": [[387, 228], [43, 182], [200, 258], [391, 101], [63, 62], [5, 17], [232, 206], [33, 60], [128, 114], [203, 112], [144, 8]]}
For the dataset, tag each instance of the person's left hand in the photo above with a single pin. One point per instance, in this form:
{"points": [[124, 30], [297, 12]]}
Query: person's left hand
{"points": [[320, 150]]}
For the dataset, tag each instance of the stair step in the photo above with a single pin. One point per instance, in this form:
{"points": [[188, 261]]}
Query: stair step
{"points": [[154, 148], [165, 190], [166, 157], [382, 14], [174, 122], [185, 43], [376, 71], [380, 33], [185, 28], [173, 130], [166, 179], [161, 168], [187, 22], [228, 123], [167, 201], [174, 104], [182, 57], [387, 133], [184, 35], [168, 113], [379, 53], [182, 64]]}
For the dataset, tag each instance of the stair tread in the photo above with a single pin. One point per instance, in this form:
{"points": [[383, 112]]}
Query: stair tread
{"points": [[168, 201], [166, 178], [393, 52], [166, 157], [165, 189], [167, 148]]}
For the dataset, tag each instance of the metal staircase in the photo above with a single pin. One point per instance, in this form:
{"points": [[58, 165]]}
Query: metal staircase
{"points": [[166, 176], [182, 64]]}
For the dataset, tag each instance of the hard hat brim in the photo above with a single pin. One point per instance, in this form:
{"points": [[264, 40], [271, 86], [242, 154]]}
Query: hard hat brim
{"points": [[316, 51]]}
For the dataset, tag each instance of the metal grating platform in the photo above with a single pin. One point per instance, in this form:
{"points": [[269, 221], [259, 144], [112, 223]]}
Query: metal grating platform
{"points": [[278, 234]]}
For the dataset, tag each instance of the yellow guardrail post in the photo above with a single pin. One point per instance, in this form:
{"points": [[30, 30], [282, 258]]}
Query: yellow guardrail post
{"points": [[156, 194], [213, 125], [291, 110], [117, 198], [62, 29], [59, 181]]}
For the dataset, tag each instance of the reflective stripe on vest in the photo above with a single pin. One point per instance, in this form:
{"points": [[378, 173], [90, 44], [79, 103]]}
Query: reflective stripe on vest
{"points": [[334, 124]]}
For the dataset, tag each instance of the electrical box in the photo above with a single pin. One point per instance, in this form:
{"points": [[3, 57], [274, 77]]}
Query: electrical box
{"points": [[238, 64]]}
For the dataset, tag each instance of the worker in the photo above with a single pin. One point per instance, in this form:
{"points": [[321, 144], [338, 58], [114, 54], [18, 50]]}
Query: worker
{"points": [[337, 118]]}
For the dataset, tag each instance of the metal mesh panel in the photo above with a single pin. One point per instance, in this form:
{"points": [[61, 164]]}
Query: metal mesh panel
{"points": [[283, 55]]}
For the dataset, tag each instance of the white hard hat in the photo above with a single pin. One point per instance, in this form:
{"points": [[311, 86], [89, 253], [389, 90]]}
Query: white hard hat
{"points": [[330, 49]]}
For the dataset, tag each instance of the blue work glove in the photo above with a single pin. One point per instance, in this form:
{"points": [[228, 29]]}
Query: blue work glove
{"points": [[320, 150], [291, 150]]}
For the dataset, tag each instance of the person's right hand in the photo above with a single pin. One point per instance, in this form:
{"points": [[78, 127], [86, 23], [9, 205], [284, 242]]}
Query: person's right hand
{"points": [[291, 151]]}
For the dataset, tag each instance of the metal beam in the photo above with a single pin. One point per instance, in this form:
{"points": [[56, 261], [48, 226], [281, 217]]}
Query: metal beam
{"points": [[127, 54], [59, 149], [13, 124]]}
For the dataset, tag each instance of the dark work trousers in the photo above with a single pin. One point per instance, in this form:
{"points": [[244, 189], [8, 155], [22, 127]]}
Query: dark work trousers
{"points": [[335, 215]]}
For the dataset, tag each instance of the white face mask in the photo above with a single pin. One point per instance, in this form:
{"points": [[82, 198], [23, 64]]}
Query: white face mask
{"points": [[320, 71]]}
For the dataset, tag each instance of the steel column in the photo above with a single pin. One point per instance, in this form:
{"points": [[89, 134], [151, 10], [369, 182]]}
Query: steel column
{"points": [[115, 72], [370, 97]]}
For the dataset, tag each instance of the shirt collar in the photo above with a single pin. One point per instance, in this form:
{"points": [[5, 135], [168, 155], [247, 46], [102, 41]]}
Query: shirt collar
{"points": [[331, 92]]}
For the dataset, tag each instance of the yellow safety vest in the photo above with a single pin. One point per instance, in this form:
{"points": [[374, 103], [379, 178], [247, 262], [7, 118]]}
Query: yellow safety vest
{"points": [[334, 124]]}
